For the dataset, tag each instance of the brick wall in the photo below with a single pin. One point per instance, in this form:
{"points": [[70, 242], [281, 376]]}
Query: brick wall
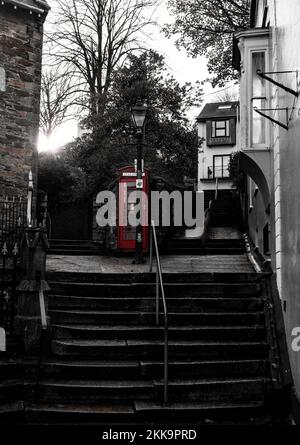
{"points": [[21, 38]]}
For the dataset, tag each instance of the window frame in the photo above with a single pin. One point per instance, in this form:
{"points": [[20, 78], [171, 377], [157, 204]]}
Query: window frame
{"points": [[252, 97], [221, 140], [226, 128], [227, 176], [258, 44]]}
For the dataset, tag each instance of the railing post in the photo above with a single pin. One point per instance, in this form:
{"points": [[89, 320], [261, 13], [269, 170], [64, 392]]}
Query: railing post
{"points": [[217, 189], [29, 200], [28, 319], [15, 254], [157, 298], [4, 252], [151, 249], [166, 365]]}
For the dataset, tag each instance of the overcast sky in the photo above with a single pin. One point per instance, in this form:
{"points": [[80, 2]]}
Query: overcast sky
{"points": [[183, 68]]}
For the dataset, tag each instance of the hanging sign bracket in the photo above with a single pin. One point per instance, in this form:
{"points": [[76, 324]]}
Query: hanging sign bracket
{"points": [[280, 85]]}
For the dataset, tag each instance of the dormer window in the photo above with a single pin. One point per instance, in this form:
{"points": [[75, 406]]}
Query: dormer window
{"points": [[220, 120], [220, 129], [221, 132]]}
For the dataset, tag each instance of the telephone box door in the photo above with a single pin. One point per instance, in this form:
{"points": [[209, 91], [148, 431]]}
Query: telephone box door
{"points": [[127, 210]]}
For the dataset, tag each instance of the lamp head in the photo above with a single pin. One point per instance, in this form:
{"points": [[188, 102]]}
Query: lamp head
{"points": [[138, 113]]}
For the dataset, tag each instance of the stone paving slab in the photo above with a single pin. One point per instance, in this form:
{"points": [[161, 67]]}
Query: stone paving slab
{"points": [[224, 233], [170, 263]]}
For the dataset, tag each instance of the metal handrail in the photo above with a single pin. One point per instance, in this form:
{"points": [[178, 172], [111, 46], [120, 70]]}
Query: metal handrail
{"points": [[217, 189], [160, 287], [43, 310], [44, 327]]}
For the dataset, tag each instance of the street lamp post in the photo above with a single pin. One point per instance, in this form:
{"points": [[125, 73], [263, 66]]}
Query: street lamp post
{"points": [[139, 112]]}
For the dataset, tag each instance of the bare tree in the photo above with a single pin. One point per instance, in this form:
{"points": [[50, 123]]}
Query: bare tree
{"points": [[57, 98], [91, 38], [227, 95]]}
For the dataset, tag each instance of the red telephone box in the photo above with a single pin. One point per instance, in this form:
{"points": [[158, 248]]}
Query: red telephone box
{"points": [[126, 234]]}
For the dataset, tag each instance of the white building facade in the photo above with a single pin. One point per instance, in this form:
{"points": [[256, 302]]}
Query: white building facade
{"points": [[218, 130], [268, 58]]}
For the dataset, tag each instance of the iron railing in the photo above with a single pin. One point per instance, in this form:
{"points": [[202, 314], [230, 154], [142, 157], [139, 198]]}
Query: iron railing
{"points": [[13, 214], [160, 289], [215, 172], [9, 280], [12, 222]]}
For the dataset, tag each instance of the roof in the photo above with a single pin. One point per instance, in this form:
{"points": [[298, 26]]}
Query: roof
{"points": [[37, 6], [218, 110]]}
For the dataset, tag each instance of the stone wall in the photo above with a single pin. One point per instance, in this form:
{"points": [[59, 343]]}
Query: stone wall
{"points": [[21, 36]]}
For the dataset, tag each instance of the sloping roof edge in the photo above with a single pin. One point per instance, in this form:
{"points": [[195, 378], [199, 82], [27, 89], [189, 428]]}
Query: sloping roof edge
{"points": [[211, 110], [37, 6]]}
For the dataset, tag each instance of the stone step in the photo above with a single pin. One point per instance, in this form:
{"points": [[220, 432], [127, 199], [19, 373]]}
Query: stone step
{"points": [[11, 414], [67, 413], [194, 390], [205, 368], [208, 413], [112, 369], [10, 368], [148, 318], [244, 333], [194, 243], [145, 412], [213, 241], [73, 246], [70, 241], [153, 349], [148, 289], [207, 250], [192, 304], [116, 391], [10, 390], [143, 279], [90, 369], [74, 251]]}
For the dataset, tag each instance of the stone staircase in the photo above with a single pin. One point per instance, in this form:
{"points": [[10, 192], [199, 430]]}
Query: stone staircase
{"points": [[11, 384], [106, 359], [226, 210]]}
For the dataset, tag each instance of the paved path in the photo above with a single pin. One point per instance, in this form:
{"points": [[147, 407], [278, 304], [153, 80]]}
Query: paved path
{"points": [[224, 233], [170, 263]]}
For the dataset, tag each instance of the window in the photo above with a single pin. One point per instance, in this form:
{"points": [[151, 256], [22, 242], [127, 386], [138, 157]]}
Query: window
{"points": [[221, 164], [258, 99], [261, 13], [220, 129]]}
